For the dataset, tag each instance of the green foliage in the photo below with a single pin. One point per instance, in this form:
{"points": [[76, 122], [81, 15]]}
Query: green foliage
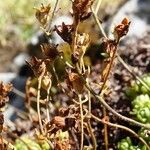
{"points": [[27, 143], [144, 134], [140, 97], [45, 146], [62, 135], [137, 88], [17, 15], [20, 145], [126, 144], [141, 108]]}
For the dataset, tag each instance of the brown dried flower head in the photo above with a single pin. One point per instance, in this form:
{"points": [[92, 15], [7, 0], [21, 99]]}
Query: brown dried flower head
{"points": [[3, 101], [63, 145], [4, 90], [50, 50], [122, 29], [82, 43], [55, 124], [1, 122], [81, 9], [47, 82], [75, 57], [58, 121], [76, 83], [38, 66], [42, 14], [32, 92], [108, 45], [65, 32]]}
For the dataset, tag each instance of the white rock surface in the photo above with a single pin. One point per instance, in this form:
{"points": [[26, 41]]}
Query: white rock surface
{"points": [[138, 14], [7, 77]]}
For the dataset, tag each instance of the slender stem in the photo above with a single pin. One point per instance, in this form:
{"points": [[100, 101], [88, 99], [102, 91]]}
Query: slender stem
{"points": [[60, 86], [92, 134], [89, 100], [104, 109], [98, 6], [18, 92], [116, 113], [109, 69], [47, 101], [82, 129], [98, 23], [75, 138], [132, 73], [74, 36], [119, 58], [105, 130], [108, 72], [101, 94], [102, 101], [89, 94], [48, 31], [122, 127], [38, 104], [55, 74]]}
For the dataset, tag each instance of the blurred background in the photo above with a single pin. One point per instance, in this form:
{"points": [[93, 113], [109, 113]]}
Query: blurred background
{"points": [[21, 37], [18, 25]]}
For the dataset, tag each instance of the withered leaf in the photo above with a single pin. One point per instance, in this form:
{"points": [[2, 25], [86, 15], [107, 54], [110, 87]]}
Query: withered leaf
{"points": [[65, 32], [76, 82], [38, 66], [50, 50], [42, 14], [122, 29]]}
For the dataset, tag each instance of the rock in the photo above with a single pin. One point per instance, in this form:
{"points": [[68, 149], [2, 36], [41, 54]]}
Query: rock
{"points": [[138, 13], [7, 76]]}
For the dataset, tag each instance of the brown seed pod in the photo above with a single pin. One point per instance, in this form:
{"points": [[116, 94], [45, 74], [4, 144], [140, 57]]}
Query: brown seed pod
{"points": [[50, 50], [76, 82], [81, 9], [58, 121], [38, 66], [65, 32], [122, 29]]}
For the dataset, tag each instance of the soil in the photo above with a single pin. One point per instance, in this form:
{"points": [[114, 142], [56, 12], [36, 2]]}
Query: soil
{"points": [[137, 55]]}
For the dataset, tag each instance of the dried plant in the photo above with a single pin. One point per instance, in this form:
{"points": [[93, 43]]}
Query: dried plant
{"points": [[70, 127], [4, 90]]}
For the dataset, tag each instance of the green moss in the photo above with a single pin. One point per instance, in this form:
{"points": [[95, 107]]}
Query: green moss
{"points": [[126, 144], [28, 143], [137, 88]]}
